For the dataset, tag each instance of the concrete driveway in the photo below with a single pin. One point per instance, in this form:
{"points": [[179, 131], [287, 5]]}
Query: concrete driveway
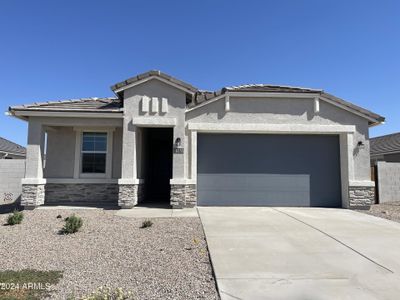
{"points": [[302, 253]]}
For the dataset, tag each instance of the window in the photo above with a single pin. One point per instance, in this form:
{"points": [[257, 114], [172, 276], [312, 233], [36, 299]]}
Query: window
{"points": [[94, 152]]}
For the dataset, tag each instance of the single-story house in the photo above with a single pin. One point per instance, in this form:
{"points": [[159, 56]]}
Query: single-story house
{"points": [[11, 150], [385, 148], [161, 139]]}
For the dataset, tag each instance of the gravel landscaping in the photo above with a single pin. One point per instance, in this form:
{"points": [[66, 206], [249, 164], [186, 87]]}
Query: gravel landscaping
{"points": [[390, 211], [168, 260]]}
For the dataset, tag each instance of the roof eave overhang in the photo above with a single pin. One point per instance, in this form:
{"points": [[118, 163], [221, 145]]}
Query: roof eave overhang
{"points": [[24, 114], [385, 153], [373, 119], [13, 153]]}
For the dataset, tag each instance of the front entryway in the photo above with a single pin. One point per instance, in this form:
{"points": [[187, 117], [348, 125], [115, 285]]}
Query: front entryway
{"points": [[156, 159]]}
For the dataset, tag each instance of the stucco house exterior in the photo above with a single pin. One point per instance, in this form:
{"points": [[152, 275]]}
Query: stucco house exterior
{"points": [[161, 139]]}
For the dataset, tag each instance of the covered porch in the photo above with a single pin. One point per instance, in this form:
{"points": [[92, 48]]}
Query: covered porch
{"points": [[72, 160]]}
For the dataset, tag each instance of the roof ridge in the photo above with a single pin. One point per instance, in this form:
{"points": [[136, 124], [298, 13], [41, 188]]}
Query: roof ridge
{"points": [[270, 85], [151, 73]]}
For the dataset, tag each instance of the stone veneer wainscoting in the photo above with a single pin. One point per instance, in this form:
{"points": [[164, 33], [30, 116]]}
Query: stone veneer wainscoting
{"points": [[129, 195], [183, 195], [79, 192], [361, 196], [32, 195]]}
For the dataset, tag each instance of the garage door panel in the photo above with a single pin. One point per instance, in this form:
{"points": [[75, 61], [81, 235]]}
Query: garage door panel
{"points": [[253, 189], [268, 170]]}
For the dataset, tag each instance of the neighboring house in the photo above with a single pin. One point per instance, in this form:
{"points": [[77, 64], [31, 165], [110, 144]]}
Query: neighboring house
{"points": [[12, 170], [161, 139], [385, 148], [11, 150]]}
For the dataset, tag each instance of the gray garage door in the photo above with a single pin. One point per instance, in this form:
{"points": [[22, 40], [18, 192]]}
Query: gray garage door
{"points": [[268, 170]]}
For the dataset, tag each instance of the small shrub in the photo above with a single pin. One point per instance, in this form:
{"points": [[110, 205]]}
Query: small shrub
{"points": [[59, 217], [72, 224], [146, 223], [15, 218]]}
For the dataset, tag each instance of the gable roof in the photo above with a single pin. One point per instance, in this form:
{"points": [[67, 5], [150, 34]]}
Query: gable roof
{"points": [[202, 97], [11, 147], [385, 144], [152, 74], [195, 97], [109, 104]]}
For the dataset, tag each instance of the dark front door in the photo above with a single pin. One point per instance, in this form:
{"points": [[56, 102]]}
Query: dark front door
{"points": [[158, 165]]}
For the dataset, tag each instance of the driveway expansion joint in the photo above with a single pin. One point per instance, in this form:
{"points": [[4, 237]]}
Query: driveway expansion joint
{"points": [[335, 239]]}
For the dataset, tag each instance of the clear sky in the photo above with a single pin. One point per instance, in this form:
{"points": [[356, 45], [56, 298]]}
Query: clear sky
{"points": [[53, 50]]}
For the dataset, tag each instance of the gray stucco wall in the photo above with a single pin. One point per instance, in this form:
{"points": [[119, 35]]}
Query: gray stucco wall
{"points": [[177, 105], [141, 152], [117, 153], [289, 111], [388, 181], [11, 173], [61, 140], [60, 153]]}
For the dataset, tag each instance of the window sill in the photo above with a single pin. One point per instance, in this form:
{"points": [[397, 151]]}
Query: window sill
{"points": [[93, 175]]}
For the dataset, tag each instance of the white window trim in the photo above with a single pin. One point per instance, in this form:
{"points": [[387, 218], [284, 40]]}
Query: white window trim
{"points": [[78, 153]]}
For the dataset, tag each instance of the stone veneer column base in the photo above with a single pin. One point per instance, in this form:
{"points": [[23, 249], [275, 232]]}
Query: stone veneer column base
{"points": [[129, 195], [183, 195], [32, 195], [361, 197]]}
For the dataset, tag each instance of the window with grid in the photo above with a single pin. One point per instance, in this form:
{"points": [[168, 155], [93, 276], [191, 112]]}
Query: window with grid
{"points": [[94, 152]]}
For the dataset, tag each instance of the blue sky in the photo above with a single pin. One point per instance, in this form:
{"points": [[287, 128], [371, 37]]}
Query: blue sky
{"points": [[70, 49]]}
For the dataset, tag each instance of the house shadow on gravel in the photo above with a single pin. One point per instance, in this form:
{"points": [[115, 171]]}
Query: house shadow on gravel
{"points": [[9, 208], [83, 205]]}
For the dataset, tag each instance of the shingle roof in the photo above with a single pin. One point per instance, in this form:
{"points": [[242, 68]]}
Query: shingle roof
{"points": [[385, 144], [150, 74], [11, 147], [109, 104]]}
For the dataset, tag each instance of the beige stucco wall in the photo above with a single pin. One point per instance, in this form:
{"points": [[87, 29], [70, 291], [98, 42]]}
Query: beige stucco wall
{"points": [[288, 111]]}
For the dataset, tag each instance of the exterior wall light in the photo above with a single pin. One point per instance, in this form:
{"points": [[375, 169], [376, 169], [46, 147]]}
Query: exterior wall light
{"points": [[178, 142], [361, 145], [178, 149]]}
